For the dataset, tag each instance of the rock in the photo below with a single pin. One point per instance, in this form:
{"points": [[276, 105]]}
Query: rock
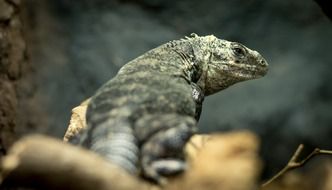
{"points": [[77, 121], [6, 11], [8, 105], [12, 58]]}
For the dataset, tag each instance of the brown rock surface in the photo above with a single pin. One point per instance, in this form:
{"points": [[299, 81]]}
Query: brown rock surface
{"points": [[77, 121], [12, 57], [19, 113]]}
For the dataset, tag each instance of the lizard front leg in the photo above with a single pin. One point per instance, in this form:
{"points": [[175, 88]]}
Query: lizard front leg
{"points": [[162, 154]]}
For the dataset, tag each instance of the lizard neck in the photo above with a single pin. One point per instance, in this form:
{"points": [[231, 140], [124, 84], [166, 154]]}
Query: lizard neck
{"points": [[210, 84], [196, 58], [193, 57], [189, 65]]}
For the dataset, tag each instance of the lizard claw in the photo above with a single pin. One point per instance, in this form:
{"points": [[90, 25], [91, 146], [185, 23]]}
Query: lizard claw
{"points": [[168, 167], [151, 174], [158, 170]]}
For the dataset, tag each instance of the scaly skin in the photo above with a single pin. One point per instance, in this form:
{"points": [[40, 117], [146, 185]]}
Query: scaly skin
{"points": [[142, 118]]}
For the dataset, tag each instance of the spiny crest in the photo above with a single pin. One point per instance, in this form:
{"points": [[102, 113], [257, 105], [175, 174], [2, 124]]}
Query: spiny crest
{"points": [[202, 42], [201, 46]]}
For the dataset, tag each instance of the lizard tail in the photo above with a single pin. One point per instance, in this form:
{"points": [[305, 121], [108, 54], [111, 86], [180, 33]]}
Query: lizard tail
{"points": [[115, 141]]}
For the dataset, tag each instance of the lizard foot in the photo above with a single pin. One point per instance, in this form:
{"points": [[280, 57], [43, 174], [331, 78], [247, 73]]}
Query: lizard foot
{"points": [[168, 167], [162, 155], [159, 169]]}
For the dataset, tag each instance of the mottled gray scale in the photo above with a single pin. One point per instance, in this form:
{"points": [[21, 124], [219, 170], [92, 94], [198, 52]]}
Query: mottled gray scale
{"points": [[117, 144], [156, 123], [165, 63], [142, 118], [141, 95], [111, 149]]}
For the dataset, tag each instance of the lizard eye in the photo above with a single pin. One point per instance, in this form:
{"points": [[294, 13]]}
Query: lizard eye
{"points": [[238, 50]]}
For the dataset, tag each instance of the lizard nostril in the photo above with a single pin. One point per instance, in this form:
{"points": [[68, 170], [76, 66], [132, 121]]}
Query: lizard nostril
{"points": [[263, 62]]}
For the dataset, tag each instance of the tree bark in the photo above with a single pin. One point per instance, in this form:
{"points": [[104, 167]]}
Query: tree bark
{"points": [[12, 58]]}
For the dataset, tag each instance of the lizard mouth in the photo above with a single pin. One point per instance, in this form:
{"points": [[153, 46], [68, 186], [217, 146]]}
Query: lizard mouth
{"points": [[248, 71], [242, 71]]}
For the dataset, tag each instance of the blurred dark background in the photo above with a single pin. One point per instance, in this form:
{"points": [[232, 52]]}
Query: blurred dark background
{"points": [[75, 46]]}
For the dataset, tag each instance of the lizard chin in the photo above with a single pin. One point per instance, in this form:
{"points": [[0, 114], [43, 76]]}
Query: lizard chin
{"points": [[229, 77]]}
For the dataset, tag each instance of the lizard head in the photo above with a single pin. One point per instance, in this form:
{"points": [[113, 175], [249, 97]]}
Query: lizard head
{"points": [[226, 63]]}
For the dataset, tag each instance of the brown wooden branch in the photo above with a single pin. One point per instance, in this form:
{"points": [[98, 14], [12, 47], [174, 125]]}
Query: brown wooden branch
{"points": [[46, 163], [218, 161], [293, 163]]}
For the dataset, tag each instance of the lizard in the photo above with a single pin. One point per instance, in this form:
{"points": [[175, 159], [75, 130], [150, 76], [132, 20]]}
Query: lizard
{"points": [[141, 119]]}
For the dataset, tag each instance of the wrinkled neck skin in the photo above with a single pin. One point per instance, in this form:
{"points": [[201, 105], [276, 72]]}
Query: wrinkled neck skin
{"points": [[195, 53], [210, 83]]}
